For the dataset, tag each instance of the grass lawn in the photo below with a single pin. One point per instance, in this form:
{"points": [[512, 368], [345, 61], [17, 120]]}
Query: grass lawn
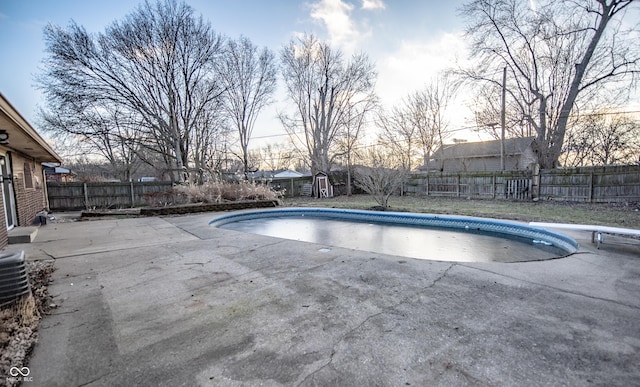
{"points": [[625, 215]]}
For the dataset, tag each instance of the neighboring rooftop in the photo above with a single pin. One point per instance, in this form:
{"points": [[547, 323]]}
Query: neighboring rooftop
{"points": [[512, 146]]}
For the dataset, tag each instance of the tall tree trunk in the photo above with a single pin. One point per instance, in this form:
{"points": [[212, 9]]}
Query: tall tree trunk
{"points": [[554, 145], [349, 172]]}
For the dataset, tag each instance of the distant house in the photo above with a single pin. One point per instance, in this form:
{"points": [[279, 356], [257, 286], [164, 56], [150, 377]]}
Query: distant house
{"points": [[291, 183], [289, 174], [276, 175], [258, 176], [484, 156], [22, 152], [58, 174]]}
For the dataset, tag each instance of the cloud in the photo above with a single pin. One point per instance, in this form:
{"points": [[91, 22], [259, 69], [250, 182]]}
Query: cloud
{"points": [[373, 4], [335, 15], [345, 28], [415, 63]]}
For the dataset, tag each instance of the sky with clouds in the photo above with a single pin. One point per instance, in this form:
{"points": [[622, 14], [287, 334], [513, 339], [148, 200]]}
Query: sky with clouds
{"points": [[408, 40]]}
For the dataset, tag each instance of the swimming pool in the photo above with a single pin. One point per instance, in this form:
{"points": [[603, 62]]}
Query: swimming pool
{"points": [[423, 236]]}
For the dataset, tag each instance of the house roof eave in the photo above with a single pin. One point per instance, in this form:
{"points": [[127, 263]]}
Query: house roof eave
{"points": [[23, 137]]}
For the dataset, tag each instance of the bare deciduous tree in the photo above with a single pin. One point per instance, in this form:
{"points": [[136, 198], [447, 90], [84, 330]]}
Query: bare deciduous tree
{"points": [[426, 109], [349, 138], [398, 134], [418, 122], [557, 53], [383, 175], [209, 144], [323, 88], [157, 66], [96, 131], [603, 138], [274, 157], [486, 105], [249, 79]]}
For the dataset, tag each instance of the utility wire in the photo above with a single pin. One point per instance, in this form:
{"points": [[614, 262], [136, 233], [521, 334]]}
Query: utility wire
{"points": [[472, 127]]}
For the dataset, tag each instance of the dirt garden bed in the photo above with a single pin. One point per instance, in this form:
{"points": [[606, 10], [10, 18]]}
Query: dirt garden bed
{"points": [[19, 323]]}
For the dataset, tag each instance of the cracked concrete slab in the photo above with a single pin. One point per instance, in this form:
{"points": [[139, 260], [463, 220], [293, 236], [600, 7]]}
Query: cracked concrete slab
{"points": [[59, 240], [170, 301]]}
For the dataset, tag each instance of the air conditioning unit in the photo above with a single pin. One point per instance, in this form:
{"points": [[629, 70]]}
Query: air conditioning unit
{"points": [[14, 280]]}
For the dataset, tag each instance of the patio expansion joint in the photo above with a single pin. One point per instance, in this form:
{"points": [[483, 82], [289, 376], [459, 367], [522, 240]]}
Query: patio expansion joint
{"points": [[42, 251], [94, 380], [186, 230], [111, 250], [561, 290], [62, 313]]}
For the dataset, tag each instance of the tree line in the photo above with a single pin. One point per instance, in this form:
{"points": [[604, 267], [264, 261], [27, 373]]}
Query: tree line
{"points": [[162, 89]]}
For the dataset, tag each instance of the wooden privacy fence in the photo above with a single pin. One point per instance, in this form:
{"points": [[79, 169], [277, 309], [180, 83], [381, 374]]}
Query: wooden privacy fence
{"points": [[586, 184], [618, 183], [81, 196], [489, 185]]}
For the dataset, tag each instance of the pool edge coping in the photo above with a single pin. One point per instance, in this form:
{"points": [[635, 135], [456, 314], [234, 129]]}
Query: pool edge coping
{"points": [[455, 222]]}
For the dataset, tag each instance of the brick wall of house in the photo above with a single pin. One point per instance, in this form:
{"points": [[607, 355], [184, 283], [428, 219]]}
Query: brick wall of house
{"points": [[4, 235], [28, 202]]}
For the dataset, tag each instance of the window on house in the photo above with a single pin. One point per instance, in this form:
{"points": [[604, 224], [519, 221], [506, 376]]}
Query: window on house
{"points": [[28, 176]]}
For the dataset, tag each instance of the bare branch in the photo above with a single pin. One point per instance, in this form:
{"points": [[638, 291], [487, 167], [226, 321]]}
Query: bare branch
{"points": [[156, 67], [324, 89], [559, 55]]}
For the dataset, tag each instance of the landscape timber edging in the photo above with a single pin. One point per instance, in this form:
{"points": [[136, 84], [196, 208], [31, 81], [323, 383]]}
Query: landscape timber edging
{"points": [[208, 207], [183, 209]]}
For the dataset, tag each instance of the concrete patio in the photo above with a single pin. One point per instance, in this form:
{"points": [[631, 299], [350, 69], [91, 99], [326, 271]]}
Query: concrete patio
{"points": [[171, 301]]}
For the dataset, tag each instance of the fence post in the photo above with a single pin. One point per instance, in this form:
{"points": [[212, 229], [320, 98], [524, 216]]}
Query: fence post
{"points": [[458, 186], [427, 185], [86, 196], [535, 183], [493, 185], [591, 187], [540, 175], [133, 200]]}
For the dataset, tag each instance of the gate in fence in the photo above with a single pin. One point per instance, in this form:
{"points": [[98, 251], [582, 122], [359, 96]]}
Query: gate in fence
{"points": [[518, 189]]}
